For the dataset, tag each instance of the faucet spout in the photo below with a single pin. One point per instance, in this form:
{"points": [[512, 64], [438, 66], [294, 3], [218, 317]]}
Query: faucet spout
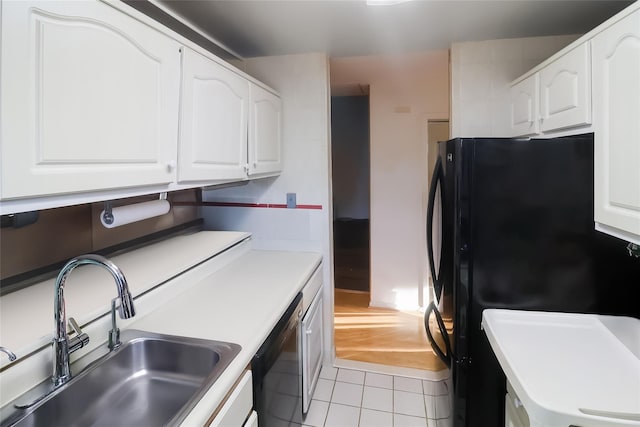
{"points": [[62, 346]]}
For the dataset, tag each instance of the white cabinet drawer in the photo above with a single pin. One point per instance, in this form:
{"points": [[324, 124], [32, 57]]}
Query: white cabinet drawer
{"points": [[236, 409]]}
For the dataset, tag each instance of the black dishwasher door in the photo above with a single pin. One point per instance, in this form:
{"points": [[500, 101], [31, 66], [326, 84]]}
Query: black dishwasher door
{"points": [[277, 372]]}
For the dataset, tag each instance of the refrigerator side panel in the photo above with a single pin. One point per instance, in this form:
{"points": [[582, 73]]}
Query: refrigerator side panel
{"points": [[461, 154], [532, 230]]}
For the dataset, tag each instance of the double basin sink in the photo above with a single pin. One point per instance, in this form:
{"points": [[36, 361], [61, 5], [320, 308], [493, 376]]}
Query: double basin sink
{"points": [[150, 380]]}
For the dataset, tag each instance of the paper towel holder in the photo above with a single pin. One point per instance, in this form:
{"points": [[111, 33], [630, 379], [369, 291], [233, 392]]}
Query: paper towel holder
{"points": [[108, 218]]}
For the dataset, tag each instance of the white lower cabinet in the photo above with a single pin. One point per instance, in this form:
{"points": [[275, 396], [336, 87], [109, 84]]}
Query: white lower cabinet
{"points": [[514, 415], [238, 407], [89, 100], [252, 421], [312, 350], [616, 109]]}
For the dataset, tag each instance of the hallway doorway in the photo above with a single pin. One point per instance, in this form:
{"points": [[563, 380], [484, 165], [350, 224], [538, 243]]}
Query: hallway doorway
{"points": [[350, 160]]}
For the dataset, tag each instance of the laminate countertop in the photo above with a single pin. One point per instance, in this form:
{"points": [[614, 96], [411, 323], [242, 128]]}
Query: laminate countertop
{"points": [[569, 368], [230, 292]]}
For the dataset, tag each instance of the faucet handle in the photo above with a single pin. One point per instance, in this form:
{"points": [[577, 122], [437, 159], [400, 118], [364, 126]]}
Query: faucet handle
{"points": [[80, 340], [10, 354]]}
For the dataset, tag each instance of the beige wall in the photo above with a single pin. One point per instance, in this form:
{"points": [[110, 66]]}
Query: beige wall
{"points": [[405, 91], [480, 77]]}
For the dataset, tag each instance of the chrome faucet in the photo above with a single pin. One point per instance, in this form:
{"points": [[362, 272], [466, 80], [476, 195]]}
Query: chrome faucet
{"points": [[62, 346], [10, 354]]}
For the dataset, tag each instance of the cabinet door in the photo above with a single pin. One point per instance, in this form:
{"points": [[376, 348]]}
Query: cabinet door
{"points": [[565, 91], [89, 100], [513, 416], [252, 421], [213, 127], [265, 133], [524, 107], [237, 407], [311, 349], [616, 109]]}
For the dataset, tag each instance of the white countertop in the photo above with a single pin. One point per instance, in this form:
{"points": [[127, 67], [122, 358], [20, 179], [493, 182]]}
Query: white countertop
{"points": [[237, 296], [569, 368], [240, 303]]}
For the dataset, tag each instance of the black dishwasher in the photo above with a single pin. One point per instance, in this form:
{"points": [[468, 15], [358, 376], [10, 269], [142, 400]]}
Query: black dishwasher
{"points": [[277, 372]]}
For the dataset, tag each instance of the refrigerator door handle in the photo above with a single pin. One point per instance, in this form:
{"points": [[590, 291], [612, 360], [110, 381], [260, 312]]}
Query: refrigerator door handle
{"points": [[445, 355], [436, 179]]}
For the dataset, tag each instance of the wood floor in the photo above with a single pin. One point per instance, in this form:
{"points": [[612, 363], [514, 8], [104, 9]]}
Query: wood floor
{"points": [[382, 336]]}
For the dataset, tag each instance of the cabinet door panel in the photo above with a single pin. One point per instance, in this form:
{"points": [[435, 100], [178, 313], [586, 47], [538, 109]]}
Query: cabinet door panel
{"points": [[89, 100], [616, 80], [213, 131], [265, 133], [524, 107], [312, 350], [565, 91]]}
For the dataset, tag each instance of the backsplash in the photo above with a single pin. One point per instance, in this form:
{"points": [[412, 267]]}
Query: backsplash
{"points": [[62, 233]]}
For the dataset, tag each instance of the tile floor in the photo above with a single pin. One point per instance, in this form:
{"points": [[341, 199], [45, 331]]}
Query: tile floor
{"points": [[346, 398]]}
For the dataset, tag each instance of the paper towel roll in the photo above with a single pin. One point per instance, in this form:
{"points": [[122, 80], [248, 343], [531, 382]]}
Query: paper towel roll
{"points": [[137, 212]]}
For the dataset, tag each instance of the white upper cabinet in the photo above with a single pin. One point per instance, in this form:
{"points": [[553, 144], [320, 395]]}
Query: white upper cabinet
{"points": [[556, 97], [265, 133], [89, 100], [524, 107], [565, 91], [616, 110], [213, 126]]}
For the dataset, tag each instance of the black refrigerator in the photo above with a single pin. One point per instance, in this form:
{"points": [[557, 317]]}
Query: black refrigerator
{"points": [[510, 225]]}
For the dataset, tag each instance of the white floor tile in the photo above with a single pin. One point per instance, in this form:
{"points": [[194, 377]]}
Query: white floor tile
{"points": [[317, 413], [438, 406], [350, 376], [412, 385], [400, 420], [342, 416], [323, 390], [409, 403], [328, 372], [435, 388], [370, 418], [347, 394], [380, 399], [378, 380]]}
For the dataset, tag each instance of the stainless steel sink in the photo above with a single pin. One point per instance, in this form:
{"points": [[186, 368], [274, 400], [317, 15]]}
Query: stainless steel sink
{"points": [[151, 380]]}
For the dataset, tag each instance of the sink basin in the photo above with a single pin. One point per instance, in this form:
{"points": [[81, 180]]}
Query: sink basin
{"points": [[150, 380]]}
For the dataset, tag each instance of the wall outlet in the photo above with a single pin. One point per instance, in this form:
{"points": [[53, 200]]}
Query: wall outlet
{"points": [[291, 200]]}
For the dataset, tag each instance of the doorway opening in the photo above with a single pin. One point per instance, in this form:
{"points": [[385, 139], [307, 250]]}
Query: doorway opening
{"points": [[375, 335], [350, 159]]}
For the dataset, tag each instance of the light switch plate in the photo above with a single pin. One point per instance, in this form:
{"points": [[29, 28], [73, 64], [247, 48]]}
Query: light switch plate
{"points": [[291, 200]]}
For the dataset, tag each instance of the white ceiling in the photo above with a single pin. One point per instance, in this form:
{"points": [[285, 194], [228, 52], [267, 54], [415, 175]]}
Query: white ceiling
{"points": [[351, 28]]}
